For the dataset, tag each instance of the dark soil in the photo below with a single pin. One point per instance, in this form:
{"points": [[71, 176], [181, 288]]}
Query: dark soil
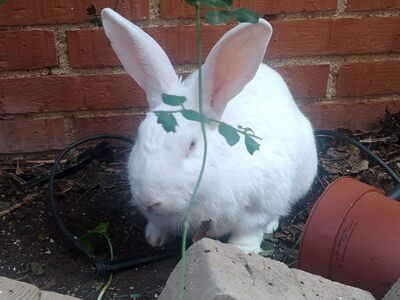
{"points": [[34, 251]]}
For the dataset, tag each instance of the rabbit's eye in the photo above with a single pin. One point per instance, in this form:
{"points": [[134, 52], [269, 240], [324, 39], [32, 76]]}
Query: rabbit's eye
{"points": [[192, 145]]}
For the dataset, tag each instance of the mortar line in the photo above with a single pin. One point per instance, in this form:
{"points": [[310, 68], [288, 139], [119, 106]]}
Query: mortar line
{"points": [[62, 53], [69, 129], [156, 21], [140, 111], [185, 68], [154, 7], [75, 113], [332, 79], [341, 8]]}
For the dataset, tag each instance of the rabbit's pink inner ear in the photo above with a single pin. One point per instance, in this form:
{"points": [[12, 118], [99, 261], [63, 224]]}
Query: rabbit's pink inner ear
{"points": [[232, 63]]}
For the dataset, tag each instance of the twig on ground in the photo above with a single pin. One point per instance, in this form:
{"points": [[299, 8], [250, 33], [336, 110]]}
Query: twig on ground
{"points": [[11, 208]]}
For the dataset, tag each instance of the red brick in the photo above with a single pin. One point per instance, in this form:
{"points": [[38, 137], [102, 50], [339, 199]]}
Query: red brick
{"points": [[29, 12], [124, 124], [359, 5], [339, 36], [306, 81], [360, 79], [291, 39], [27, 50], [69, 93], [27, 135], [90, 48], [349, 115], [173, 9]]}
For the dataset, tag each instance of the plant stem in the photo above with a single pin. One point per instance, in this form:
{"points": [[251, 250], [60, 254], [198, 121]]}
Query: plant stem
{"points": [[105, 287], [209, 120], [108, 283], [109, 245], [186, 223]]}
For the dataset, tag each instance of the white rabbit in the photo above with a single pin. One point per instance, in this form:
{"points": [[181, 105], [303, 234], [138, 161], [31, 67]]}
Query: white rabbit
{"points": [[243, 195]]}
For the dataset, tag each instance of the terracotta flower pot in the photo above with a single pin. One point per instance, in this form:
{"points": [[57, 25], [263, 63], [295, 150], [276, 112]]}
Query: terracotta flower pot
{"points": [[353, 236]]}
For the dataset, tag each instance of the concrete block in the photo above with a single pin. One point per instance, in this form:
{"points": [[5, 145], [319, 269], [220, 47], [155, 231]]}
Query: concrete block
{"points": [[44, 295], [315, 287], [394, 292], [17, 290], [221, 271]]}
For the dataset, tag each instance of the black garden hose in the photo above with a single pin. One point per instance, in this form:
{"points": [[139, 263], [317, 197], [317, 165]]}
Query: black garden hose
{"points": [[395, 192], [372, 155], [101, 267]]}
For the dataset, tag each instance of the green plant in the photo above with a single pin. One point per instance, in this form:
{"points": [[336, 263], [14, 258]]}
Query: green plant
{"points": [[222, 12], [94, 16], [230, 133], [87, 240]]}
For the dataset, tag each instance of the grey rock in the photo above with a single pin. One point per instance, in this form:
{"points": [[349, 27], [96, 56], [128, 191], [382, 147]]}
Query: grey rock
{"points": [[221, 271], [394, 292]]}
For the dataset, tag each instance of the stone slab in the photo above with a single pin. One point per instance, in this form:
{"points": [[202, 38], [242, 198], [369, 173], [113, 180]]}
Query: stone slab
{"points": [[394, 292], [17, 290], [221, 271]]}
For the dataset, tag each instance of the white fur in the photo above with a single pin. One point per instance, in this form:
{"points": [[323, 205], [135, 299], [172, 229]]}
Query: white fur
{"points": [[244, 195]]}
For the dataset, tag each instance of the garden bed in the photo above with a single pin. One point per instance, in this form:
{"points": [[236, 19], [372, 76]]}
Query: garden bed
{"points": [[33, 250]]}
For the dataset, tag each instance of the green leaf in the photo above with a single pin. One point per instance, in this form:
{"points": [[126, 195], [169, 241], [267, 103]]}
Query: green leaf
{"points": [[101, 228], [267, 248], [173, 100], [91, 10], [251, 145], [193, 115], [229, 133], [96, 21], [245, 15], [210, 3], [228, 2], [191, 2], [2, 1], [246, 129], [266, 253], [213, 3], [86, 239], [167, 120], [218, 17]]}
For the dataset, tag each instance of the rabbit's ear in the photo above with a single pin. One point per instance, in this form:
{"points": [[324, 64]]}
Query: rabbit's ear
{"points": [[232, 63], [140, 55]]}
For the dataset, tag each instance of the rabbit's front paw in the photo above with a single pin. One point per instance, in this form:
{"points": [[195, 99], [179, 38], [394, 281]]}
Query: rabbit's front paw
{"points": [[248, 248], [247, 242], [155, 236]]}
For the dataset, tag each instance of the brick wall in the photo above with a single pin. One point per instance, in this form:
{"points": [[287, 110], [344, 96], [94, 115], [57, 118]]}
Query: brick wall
{"points": [[60, 80]]}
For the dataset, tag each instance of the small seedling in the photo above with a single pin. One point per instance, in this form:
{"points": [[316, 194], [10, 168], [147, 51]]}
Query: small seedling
{"points": [[267, 248], [222, 12], [87, 240], [95, 18], [92, 12]]}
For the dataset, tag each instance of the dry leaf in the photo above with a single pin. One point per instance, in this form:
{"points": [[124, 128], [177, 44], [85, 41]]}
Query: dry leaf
{"points": [[18, 169], [202, 232]]}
